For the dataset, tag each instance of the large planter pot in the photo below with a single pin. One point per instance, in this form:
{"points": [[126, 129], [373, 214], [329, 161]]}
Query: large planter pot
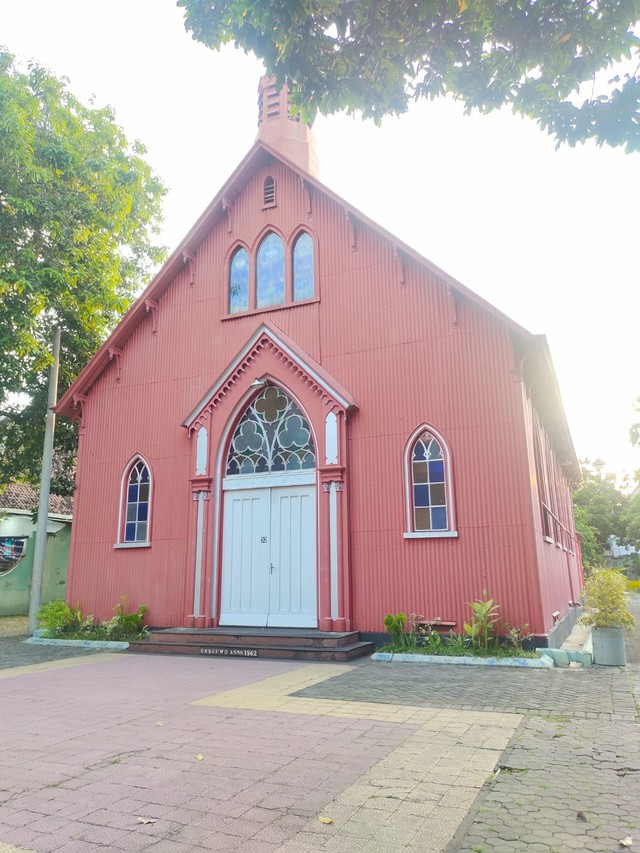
{"points": [[608, 646]]}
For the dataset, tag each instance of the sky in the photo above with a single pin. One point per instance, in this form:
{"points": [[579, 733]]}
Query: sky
{"points": [[550, 237]]}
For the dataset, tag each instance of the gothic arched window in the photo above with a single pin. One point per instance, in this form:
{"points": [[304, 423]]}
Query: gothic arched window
{"points": [[136, 503], [270, 272], [272, 435], [303, 267], [239, 281], [428, 482]]}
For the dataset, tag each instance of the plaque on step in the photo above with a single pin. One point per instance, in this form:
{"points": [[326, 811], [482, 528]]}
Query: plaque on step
{"points": [[231, 653]]}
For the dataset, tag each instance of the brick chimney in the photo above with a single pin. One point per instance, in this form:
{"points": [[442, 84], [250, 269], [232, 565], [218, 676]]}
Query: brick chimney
{"points": [[282, 131]]}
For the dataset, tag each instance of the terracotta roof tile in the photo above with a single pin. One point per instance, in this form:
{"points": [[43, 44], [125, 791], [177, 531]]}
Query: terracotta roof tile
{"points": [[21, 496]]}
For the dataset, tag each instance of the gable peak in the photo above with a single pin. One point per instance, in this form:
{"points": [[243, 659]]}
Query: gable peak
{"points": [[282, 130]]}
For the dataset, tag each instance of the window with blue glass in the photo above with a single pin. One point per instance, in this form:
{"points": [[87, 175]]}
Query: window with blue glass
{"points": [[239, 281], [270, 272], [429, 485], [279, 273], [303, 267], [137, 504]]}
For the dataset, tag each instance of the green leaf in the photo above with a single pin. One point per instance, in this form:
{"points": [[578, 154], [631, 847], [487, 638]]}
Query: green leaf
{"points": [[78, 212], [373, 58]]}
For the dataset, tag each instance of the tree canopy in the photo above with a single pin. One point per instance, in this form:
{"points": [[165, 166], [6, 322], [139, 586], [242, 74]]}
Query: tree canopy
{"points": [[555, 61], [602, 510], [79, 211], [599, 504]]}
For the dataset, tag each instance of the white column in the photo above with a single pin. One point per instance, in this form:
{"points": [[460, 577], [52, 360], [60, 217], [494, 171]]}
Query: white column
{"points": [[200, 497], [333, 548]]}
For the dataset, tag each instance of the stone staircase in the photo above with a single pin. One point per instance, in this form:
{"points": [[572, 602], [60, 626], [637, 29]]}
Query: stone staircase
{"points": [[271, 643]]}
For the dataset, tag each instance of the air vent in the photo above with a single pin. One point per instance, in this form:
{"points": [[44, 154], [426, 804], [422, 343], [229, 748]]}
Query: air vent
{"points": [[269, 199]]}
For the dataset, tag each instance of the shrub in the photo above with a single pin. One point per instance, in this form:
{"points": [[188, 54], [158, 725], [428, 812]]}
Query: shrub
{"points": [[515, 636], [457, 644], [57, 618], [605, 600], [394, 624], [123, 625], [484, 615]]}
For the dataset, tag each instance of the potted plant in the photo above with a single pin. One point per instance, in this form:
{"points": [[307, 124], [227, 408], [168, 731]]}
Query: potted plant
{"points": [[606, 609]]}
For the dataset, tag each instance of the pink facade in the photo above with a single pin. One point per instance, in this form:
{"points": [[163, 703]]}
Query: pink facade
{"points": [[381, 351]]}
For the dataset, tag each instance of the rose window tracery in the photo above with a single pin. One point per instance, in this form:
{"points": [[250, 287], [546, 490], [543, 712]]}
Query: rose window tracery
{"points": [[272, 435]]}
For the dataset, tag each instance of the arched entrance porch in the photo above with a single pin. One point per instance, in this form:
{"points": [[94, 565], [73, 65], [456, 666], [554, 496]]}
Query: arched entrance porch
{"points": [[269, 556], [247, 486]]}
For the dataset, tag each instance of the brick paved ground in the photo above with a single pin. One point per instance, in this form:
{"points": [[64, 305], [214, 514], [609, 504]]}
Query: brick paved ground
{"points": [[581, 693], [571, 775], [579, 788], [401, 757], [188, 755]]}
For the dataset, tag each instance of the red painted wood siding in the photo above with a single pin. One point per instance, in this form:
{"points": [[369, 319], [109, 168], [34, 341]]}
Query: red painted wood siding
{"points": [[388, 332]]}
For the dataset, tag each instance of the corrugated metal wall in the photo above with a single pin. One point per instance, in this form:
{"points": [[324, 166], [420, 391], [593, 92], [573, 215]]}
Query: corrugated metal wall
{"points": [[407, 351]]}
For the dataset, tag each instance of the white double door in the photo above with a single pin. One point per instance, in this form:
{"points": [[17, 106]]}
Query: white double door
{"points": [[269, 557]]}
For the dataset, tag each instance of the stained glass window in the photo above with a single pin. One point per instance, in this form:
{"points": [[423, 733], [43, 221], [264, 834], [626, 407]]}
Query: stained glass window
{"points": [[239, 281], [428, 484], [303, 267], [136, 524], [270, 272], [272, 435]]}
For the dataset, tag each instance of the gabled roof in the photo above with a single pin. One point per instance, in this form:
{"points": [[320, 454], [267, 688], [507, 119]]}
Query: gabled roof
{"points": [[258, 156]]}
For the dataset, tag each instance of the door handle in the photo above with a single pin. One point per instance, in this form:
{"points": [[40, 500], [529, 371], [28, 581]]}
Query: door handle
{"points": [[271, 567]]}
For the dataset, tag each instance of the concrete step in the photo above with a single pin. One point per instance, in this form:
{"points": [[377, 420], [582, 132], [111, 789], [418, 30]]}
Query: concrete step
{"points": [[273, 650], [256, 636]]}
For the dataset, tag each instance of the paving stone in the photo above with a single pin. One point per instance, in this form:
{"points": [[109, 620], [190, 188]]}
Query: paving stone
{"points": [[554, 692], [372, 745], [575, 761]]}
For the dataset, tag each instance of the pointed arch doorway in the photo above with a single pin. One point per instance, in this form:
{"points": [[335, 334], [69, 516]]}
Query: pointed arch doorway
{"points": [[269, 552]]}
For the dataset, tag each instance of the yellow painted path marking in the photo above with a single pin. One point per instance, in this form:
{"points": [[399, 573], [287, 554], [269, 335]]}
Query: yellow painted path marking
{"points": [[416, 797]]}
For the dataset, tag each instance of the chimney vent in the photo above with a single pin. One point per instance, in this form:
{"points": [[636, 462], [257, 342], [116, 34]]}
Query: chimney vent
{"points": [[281, 130]]}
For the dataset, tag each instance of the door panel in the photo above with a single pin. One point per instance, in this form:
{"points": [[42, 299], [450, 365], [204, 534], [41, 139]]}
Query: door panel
{"points": [[245, 558], [293, 596], [269, 558]]}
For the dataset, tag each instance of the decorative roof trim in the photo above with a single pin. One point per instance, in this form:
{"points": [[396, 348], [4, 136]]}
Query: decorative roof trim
{"points": [[264, 337], [258, 156]]}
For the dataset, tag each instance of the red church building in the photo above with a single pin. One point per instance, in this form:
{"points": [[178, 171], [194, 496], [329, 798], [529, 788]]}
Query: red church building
{"points": [[304, 424]]}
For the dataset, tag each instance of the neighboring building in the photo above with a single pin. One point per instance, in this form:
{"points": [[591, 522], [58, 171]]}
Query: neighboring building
{"points": [[18, 503], [302, 422], [617, 551]]}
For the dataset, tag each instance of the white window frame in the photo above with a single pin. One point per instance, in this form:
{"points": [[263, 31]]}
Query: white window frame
{"points": [[410, 531], [124, 489]]}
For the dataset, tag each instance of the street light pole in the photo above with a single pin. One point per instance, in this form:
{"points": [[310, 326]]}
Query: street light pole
{"points": [[45, 485]]}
